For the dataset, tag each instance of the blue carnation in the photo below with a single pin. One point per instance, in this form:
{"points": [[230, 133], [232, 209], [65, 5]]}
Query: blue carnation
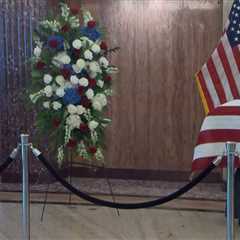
{"points": [[91, 33], [56, 42], [71, 96]]}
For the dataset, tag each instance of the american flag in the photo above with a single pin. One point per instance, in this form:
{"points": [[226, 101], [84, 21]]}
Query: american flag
{"points": [[220, 125], [219, 78]]}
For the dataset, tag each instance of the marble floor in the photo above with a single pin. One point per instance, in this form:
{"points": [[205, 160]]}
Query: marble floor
{"points": [[88, 222]]}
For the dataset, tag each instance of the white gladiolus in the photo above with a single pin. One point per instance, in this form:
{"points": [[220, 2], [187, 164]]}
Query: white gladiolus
{"points": [[74, 79], [60, 92], [94, 67], [96, 48], [72, 109], [103, 62], [60, 80], [89, 93], [56, 105], [47, 78], [88, 55], [48, 91], [93, 125], [83, 82], [87, 17], [81, 109], [100, 83], [61, 58], [46, 104], [77, 44], [37, 51], [73, 121]]}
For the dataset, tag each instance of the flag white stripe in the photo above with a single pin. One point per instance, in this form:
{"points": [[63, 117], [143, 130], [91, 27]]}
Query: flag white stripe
{"points": [[231, 60], [221, 122], [222, 75], [210, 86]]}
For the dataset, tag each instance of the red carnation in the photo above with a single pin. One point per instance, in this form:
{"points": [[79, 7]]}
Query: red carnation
{"points": [[74, 8], [71, 143], [84, 128], [56, 122], [53, 43], [86, 102], [92, 149], [65, 28], [40, 65], [80, 90], [66, 73], [108, 79], [104, 46], [92, 83], [91, 24]]}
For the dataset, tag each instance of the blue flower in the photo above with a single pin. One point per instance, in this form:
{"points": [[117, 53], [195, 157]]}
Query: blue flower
{"points": [[91, 33], [56, 42], [71, 96]]}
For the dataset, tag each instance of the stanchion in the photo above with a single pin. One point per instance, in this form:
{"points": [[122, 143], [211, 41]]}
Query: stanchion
{"points": [[25, 188], [230, 147]]}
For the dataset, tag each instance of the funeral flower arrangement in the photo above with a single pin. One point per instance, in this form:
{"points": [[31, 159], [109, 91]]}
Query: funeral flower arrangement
{"points": [[71, 82]]}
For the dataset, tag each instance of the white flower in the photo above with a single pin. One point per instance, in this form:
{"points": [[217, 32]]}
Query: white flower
{"points": [[88, 55], [47, 78], [100, 83], [81, 109], [67, 85], [89, 93], [93, 125], [56, 105], [60, 92], [37, 51], [81, 64], [74, 79], [48, 91], [77, 44], [94, 67], [103, 62], [73, 121], [83, 82], [60, 80], [87, 17], [46, 104], [99, 101], [97, 105], [96, 48], [72, 109], [61, 58]]}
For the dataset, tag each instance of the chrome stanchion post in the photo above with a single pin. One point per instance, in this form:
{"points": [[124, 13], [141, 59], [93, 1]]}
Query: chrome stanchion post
{"points": [[25, 188], [230, 148]]}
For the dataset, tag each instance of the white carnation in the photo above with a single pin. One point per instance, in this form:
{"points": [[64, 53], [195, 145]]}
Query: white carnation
{"points": [[97, 105], [96, 48], [37, 51], [60, 92], [94, 67], [56, 105], [74, 79], [72, 109], [100, 83], [46, 104], [81, 64], [93, 125], [81, 109], [77, 44], [88, 55], [61, 58], [89, 93], [60, 80], [83, 82], [48, 91], [103, 62], [47, 78], [101, 98], [73, 121]]}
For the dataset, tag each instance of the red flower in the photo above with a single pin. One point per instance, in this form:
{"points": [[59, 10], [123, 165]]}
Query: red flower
{"points": [[75, 9], [92, 83], [92, 149], [65, 28], [66, 73], [104, 46], [40, 65], [108, 79], [91, 24], [84, 128], [53, 43], [56, 122], [77, 52], [86, 102], [80, 90], [71, 143]]}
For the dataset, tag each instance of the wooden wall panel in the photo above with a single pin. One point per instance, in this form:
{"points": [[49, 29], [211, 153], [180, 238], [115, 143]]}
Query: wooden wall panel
{"points": [[156, 109]]}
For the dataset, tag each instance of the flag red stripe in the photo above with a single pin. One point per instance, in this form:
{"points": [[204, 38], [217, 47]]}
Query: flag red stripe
{"points": [[226, 110], [227, 70], [216, 81], [205, 91], [218, 135], [236, 54]]}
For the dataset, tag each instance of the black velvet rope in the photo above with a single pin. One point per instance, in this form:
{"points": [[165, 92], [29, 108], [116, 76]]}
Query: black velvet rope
{"points": [[5, 164], [109, 204]]}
